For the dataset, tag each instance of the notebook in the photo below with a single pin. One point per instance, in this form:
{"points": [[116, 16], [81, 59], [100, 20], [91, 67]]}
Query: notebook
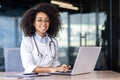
{"points": [[85, 61]]}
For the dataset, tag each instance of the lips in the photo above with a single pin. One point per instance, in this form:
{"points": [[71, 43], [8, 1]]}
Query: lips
{"points": [[43, 28]]}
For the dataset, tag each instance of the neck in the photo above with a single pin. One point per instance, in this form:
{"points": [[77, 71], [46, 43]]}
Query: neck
{"points": [[42, 34]]}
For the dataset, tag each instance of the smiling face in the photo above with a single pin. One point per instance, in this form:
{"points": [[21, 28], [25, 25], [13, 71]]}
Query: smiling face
{"points": [[41, 23]]}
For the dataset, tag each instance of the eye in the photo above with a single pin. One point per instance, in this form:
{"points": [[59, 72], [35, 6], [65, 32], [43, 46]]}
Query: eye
{"points": [[47, 20], [39, 20]]}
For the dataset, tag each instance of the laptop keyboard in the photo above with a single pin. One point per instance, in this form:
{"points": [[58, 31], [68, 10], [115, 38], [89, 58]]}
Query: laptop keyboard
{"points": [[69, 71]]}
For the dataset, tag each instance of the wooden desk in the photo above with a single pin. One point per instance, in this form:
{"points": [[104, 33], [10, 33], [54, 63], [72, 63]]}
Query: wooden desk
{"points": [[96, 75]]}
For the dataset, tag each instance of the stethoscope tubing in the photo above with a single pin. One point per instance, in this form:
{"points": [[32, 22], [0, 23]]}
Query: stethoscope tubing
{"points": [[50, 46]]}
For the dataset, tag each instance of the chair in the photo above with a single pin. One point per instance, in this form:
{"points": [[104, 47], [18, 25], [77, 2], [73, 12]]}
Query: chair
{"points": [[12, 59]]}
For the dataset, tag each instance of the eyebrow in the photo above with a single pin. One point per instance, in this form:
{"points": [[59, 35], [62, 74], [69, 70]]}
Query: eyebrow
{"points": [[41, 17]]}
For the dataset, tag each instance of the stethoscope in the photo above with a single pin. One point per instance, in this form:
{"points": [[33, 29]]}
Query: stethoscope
{"points": [[50, 46]]}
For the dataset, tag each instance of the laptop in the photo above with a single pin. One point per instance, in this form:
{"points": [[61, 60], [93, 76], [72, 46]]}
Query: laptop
{"points": [[85, 61]]}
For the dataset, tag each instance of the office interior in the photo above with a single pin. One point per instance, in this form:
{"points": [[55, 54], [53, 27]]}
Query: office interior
{"points": [[84, 23]]}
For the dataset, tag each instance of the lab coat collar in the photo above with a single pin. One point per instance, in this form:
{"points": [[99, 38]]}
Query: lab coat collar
{"points": [[43, 40]]}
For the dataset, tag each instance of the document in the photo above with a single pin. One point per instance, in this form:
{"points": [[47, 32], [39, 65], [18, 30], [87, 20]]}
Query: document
{"points": [[35, 74], [28, 76]]}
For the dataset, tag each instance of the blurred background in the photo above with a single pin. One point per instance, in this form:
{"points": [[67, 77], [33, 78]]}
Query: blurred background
{"points": [[84, 23]]}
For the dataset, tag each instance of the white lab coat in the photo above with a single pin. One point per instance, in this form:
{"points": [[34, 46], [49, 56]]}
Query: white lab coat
{"points": [[29, 54]]}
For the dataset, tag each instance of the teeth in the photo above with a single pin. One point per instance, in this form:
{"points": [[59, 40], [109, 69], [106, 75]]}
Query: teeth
{"points": [[42, 26]]}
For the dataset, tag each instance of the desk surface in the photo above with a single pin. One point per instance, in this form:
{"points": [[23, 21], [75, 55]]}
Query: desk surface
{"points": [[96, 75]]}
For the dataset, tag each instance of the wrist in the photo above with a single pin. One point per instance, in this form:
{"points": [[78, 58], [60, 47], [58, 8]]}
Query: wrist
{"points": [[53, 69]]}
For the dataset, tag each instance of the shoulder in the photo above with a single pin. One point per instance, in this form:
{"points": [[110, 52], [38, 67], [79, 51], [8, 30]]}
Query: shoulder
{"points": [[27, 42], [27, 39]]}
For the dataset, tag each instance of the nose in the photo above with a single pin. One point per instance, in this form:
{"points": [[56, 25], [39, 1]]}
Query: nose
{"points": [[43, 22]]}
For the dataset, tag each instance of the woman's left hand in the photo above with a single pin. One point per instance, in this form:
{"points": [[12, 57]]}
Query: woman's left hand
{"points": [[62, 68], [65, 67]]}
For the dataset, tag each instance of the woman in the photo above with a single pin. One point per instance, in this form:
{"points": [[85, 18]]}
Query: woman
{"points": [[40, 26]]}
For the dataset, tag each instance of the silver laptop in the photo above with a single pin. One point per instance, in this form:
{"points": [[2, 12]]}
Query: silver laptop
{"points": [[85, 61]]}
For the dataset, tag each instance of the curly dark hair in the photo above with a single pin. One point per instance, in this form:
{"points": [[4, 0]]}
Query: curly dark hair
{"points": [[29, 17]]}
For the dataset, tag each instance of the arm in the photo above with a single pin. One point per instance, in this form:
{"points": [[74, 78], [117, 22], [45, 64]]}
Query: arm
{"points": [[62, 68], [26, 56]]}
